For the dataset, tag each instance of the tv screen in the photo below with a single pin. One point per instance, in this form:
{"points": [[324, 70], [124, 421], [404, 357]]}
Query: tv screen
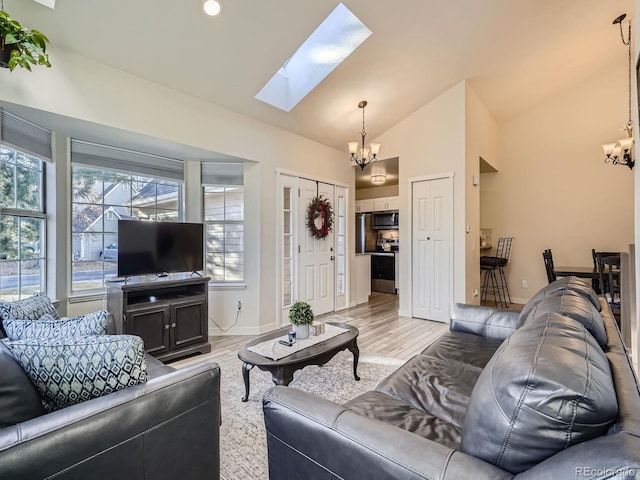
{"points": [[159, 247]]}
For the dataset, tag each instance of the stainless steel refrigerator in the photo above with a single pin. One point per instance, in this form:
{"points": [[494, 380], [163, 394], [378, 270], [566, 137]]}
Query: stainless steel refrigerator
{"points": [[366, 236]]}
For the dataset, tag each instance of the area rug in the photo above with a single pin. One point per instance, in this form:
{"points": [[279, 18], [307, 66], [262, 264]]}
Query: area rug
{"points": [[243, 445]]}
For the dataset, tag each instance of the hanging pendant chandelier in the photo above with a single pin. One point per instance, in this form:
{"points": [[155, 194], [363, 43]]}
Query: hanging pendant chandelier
{"points": [[621, 152], [362, 155]]}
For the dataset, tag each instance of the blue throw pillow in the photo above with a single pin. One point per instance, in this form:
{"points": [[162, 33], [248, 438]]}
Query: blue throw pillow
{"points": [[67, 371], [94, 323], [31, 308]]}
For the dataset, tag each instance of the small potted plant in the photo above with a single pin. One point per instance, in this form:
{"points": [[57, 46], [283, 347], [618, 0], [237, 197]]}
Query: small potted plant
{"points": [[301, 316], [20, 46]]}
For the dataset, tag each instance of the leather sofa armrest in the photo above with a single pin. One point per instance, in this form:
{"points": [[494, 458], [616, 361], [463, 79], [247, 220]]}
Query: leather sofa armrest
{"points": [[484, 321], [610, 456], [152, 428], [309, 437]]}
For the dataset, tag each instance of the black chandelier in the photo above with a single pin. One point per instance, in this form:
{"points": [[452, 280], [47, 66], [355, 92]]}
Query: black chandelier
{"points": [[621, 152], [360, 154]]}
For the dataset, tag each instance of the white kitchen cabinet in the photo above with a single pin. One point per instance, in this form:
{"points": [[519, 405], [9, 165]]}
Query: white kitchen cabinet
{"points": [[363, 206], [393, 203], [386, 203], [379, 204]]}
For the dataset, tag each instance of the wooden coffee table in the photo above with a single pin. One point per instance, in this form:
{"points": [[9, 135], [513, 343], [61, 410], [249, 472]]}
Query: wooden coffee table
{"points": [[318, 354]]}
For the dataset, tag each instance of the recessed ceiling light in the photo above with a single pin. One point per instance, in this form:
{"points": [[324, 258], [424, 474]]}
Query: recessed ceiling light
{"points": [[212, 7]]}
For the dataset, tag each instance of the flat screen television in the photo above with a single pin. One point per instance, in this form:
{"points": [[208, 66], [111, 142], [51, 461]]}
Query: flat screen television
{"points": [[159, 247]]}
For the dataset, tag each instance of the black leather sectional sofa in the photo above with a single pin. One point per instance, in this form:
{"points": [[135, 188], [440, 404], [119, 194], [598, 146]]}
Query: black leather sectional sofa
{"points": [[545, 394], [165, 429]]}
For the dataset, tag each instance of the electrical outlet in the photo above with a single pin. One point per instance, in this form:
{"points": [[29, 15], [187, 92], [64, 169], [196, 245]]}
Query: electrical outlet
{"points": [[239, 305], [525, 284], [475, 293]]}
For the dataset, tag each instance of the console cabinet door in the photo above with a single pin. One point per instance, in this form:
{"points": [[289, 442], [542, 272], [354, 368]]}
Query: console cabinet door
{"points": [[152, 324], [188, 323]]}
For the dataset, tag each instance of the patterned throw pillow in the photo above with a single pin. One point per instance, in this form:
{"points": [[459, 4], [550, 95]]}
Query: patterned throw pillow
{"points": [[31, 308], [47, 327], [67, 371]]}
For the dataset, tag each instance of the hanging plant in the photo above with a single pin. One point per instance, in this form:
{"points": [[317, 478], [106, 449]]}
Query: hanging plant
{"points": [[320, 217], [19, 46]]}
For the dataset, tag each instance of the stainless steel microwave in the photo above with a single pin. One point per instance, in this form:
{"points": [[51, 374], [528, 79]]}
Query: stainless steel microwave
{"points": [[385, 220]]}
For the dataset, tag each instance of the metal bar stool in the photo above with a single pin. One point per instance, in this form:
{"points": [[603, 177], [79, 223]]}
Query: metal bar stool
{"points": [[495, 284]]}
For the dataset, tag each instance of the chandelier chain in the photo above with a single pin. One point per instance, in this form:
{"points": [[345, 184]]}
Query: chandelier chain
{"points": [[628, 43]]}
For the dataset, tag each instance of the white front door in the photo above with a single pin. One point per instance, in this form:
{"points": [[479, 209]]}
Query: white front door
{"points": [[316, 271], [432, 222]]}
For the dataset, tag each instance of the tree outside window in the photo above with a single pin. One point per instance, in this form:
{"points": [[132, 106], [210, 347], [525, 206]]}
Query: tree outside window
{"points": [[99, 199], [22, 225]]}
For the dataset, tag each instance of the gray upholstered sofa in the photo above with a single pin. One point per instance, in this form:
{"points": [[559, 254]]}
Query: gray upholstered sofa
{"points": [[165, 428], [545, 394]]}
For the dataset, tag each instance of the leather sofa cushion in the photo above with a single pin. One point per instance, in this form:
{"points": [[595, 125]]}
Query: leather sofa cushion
{"points": [[558, 287], [572, 305], [483, 321], [440, 387], [19, 399], [390, 410], [155, 368], [548, 387], [464, 348]]}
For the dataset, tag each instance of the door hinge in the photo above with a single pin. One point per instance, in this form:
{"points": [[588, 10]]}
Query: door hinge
{"points": [[298, 192], [298, 248]]}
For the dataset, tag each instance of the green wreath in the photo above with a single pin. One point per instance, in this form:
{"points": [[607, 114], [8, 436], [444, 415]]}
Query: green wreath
{"points": [[319, 217]]}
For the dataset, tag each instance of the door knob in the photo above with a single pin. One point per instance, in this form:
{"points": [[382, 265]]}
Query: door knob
{"points": [[332, 257], [166, 327], [428, 238]]}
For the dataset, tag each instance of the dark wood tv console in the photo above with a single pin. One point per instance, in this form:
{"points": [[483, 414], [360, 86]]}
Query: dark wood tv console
{"points": [[169, 313]]}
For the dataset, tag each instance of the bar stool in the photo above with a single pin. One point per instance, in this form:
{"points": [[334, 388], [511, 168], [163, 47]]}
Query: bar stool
{"points": [[495, 284]]}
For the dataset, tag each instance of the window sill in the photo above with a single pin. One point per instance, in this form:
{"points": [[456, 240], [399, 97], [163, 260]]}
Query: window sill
{"points": [[213, 286], [87, 297]]}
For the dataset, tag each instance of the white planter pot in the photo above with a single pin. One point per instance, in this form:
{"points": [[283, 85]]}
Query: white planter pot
{"points": [[302, 331]]}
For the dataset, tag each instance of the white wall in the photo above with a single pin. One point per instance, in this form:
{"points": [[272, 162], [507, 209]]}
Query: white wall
{"points": [[481, 141], [553, 189], [80, 88], [431, 141]]}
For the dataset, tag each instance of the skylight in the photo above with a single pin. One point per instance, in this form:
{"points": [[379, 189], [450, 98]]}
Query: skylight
{"points": [[333, 41]]}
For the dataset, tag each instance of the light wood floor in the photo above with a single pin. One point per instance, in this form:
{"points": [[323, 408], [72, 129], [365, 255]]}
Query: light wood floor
{"points": [[382, 332]]}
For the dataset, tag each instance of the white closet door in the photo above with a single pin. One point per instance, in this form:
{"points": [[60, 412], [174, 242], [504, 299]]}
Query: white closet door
{"points": [[432, 221]]}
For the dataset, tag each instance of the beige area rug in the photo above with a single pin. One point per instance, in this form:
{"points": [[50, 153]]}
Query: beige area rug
{"points": [[243, 446]]}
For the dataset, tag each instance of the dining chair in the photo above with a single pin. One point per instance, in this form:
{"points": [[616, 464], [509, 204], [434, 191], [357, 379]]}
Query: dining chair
{"points": [[596, 282], [548, 265], [609, 275]]}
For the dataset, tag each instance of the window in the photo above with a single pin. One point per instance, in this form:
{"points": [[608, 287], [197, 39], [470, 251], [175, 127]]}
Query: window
{"points": [[99, 199], [22, 224], [287, 247], [224, 232]]}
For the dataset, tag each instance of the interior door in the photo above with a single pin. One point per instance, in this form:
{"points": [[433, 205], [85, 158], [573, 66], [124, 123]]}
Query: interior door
{"points": [[432, 222], [317, 257]]}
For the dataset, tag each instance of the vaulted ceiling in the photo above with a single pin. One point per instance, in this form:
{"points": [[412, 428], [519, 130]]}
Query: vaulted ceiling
{"points": [[514, 53]]}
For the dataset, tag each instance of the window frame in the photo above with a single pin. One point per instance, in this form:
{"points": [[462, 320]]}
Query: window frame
{"points": [[105, 207], [215, 282], [40, 215]]}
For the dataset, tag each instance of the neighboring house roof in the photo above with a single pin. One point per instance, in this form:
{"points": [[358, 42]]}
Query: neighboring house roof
{"points": [[118, 215]]}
